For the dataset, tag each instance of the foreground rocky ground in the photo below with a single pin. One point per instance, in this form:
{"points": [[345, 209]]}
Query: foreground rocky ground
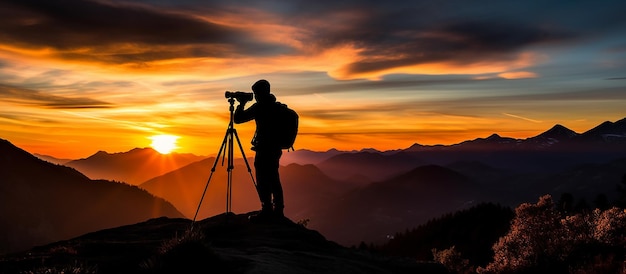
{"points": [[226, 243]]}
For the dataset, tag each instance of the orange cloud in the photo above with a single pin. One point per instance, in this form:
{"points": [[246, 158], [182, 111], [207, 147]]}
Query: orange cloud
{"points": [[522, 60], [518, 75]]}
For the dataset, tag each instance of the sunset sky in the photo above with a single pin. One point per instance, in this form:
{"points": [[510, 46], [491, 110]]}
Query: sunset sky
{"points": [[77, 77]]}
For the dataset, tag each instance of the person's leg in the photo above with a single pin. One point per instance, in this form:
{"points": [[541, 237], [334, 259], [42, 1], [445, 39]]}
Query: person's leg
{"points": [[276, 187], [264, 179], [267, 164]]}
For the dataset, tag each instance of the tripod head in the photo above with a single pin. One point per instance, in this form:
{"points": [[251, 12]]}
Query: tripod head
{"points": [[231, 100]]}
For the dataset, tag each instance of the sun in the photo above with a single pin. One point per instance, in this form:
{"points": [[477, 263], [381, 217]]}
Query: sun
{"points": [[163, 143]]}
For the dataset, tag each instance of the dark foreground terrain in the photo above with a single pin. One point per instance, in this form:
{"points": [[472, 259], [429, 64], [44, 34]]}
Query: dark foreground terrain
{"points": [[226, 243]]}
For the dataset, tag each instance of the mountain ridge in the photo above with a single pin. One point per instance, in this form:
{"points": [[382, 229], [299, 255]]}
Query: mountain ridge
{"points": [[552, 138], [133, 167], [557, 131]]}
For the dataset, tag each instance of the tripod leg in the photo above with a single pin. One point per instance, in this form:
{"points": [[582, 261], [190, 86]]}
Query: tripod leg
{"points": [[217, 158], [229, 186], [244, 157]]}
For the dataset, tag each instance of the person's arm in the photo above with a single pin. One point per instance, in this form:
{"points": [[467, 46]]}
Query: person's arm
{"points": [[242, 115]]}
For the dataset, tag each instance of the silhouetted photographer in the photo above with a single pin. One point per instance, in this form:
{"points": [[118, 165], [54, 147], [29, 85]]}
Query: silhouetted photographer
{"points": [[276, 129]]}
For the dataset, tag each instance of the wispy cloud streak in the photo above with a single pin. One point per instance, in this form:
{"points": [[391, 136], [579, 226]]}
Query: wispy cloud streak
{"points": [[37, 98], [523, 118]]}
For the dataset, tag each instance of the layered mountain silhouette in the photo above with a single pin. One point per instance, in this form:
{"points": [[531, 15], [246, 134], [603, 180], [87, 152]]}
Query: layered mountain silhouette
{"points": [[367, 193], [52, 159], [226, 243], [305, 188], [184, 187], [354, 196], [305, 156], [133, 167], [373, 165], [378, 210], [41, 202]]}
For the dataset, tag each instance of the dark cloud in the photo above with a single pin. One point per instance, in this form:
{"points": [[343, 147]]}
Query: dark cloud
{"points": [[37, 98], [98, 29], [405, 33], [385, 43], [388, 34]]}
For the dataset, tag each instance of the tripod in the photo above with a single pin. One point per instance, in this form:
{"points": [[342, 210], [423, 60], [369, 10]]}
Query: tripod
{"points": [[229, 138]]}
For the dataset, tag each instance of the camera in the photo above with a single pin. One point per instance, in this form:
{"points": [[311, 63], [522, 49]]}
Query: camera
{"points": [[240, 95]]}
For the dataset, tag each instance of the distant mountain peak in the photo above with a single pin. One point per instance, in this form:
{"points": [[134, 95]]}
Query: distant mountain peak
{"points": [[558, 132], [102, 153], [372, 150], [493, 139], [606, 123], [607, 132], [601, 128], [415, 146], [144, 149]]}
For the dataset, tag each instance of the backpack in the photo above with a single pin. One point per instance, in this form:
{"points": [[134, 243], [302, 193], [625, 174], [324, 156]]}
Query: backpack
{"points": [[287, 121]]}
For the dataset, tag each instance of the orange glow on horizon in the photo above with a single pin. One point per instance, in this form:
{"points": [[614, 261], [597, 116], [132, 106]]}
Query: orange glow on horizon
{"points": [[311, 139]]}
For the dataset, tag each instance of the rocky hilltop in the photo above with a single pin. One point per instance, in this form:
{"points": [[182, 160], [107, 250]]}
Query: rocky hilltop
{"points": [[226, 243]]}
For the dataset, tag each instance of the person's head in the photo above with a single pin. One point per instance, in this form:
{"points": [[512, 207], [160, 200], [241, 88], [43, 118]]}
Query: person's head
{"points": [[261, 89]]}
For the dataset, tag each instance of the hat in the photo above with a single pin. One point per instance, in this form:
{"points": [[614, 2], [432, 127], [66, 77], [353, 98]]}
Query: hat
{"points": [[261, 87]]}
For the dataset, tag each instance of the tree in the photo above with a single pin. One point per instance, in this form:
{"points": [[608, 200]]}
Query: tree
{"points": [[543, 241], [453, 260], [533, 240]]}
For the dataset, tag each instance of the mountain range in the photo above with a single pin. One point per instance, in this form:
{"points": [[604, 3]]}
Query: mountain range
{"points": [[41, 202], [559, 147], [133, 167], [366, 195]]}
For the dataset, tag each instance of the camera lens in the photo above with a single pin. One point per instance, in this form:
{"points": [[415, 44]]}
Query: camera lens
{"points": [[239, 95]]}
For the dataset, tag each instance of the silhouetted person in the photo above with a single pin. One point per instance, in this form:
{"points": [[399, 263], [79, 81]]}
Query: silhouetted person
{"points": [[267, 148]]}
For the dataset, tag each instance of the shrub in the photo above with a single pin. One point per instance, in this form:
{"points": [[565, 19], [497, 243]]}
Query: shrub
{"points": [[541, 240], [610, 226], [452, 260], [535, 238]]}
